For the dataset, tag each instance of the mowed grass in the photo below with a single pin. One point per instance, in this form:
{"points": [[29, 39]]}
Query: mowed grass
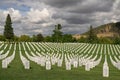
{"points": [[16, 71]]}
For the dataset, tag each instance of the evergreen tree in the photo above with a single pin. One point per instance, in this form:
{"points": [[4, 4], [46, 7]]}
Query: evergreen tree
{"points": [[8, 30], [39, 37], [92, 37], [67, 38], [24, 38], [57, 36]]}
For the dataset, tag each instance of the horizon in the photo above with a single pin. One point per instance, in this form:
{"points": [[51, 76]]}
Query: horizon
{"points": [[32, 17]]}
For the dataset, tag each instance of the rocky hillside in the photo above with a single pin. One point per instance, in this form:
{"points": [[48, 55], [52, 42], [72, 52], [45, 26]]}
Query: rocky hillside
{"points": [[106, 30]]}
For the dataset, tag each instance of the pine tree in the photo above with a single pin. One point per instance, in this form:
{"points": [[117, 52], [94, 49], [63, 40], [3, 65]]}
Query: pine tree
{"points": [[39, 37], [8, 30], [57, 36], [92, 37]]}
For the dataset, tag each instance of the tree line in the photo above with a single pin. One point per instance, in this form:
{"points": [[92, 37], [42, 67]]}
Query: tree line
{"points": [[57, 36]]}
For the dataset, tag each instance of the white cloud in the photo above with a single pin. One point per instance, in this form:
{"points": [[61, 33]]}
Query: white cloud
{"points": [[38, 31], [15, 14], [47, 24], [36, 15]]}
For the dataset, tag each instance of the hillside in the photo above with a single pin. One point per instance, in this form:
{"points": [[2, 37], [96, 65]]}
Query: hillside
{"points": [[106, 30]]}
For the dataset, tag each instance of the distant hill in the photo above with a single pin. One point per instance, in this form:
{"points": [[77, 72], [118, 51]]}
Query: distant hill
{"points": [[106, 30]]}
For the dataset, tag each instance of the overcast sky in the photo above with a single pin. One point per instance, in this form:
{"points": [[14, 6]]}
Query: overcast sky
{"points": [[39, 16]]}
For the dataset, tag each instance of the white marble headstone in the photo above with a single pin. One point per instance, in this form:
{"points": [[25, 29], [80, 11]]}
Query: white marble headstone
{"points": [[68, 66], [105, 71], [27, 65], [75, 64], [87, 66], [4, 64], [59, 63], [105, 68], [48, 65]]}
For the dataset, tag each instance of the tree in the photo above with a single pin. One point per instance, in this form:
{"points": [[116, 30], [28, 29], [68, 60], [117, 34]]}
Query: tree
{"points": [[116, 40], [39, 37], [25, 38], [8, 30], [67, 38], [48, 39], [82, 40], [92, 37], [2, 38], [104, 40], [16, 38], [57, 36], [34, 38]]}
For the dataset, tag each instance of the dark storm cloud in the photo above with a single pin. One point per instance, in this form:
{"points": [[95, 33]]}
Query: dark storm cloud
{"points": [[91, 6], [77, 20], [74, 29], [80, 12], [81, 6], [73, 18], [61, 3]]}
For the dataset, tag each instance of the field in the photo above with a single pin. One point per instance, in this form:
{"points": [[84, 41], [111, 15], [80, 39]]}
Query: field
{"points": [[68, 61]]}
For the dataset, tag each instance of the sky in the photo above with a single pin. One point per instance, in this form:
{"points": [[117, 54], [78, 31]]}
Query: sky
{"points": [[31, 17]]}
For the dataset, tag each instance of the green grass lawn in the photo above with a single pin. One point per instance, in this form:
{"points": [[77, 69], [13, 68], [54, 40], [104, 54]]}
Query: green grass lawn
{"points": [[16, 71]]}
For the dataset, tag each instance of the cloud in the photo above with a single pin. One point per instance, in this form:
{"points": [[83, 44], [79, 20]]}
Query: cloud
{"points": [[74, 18], [91, 6], [15, 14], [39, 16], [61, 3]]}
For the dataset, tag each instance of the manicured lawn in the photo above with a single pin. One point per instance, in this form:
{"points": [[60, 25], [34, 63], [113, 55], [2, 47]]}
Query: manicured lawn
{"points": [[16, 71]]}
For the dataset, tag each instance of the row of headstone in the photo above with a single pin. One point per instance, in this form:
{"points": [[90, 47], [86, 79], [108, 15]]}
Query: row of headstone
{"points": [[1, 42], [19, 46], [8, 60], [105, 68], [38, 49], [1, 46], [75, 62], [6, 45], [118, 48], [112, 52], [41, 47], [25, 62], [23, 44], [28, 46], [1, 52], [46, 58], [115, 64], [84, 48], [115, 50], [40, 60], [36, 59], [31, 44], [5, 54], [54, 47], [87, 61]]}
